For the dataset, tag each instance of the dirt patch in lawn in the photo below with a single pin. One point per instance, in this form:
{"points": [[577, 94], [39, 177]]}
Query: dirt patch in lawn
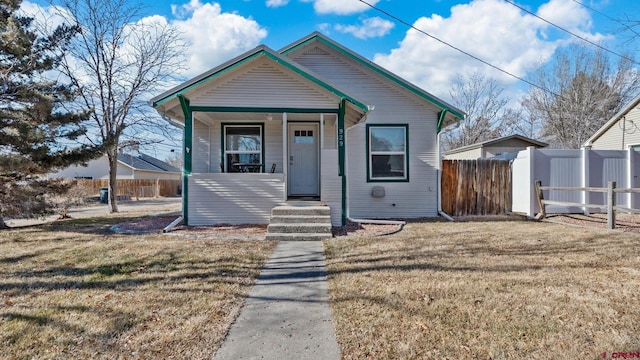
{"points": [[74, 290], [486, 290], [624, 222]]}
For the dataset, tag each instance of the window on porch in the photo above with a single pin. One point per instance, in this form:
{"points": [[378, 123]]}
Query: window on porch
{"points": [[243, 148]]}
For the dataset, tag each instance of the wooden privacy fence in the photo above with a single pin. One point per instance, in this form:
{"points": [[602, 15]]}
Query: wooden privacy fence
{"points": [[476, 187], [135, 188], [610, 207]]}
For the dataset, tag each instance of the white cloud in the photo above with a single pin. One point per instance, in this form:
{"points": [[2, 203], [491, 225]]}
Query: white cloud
{"points": [[492, 30], [214, 36], [276, 3], [340, 7], [370, 28]]}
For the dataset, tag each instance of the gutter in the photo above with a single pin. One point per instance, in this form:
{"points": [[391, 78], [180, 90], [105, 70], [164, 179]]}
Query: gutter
{"points": [[172, 225]]}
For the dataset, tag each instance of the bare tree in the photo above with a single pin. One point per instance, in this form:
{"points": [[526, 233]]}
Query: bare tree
{"points": [[583, 92], [116, 61], [481, 99]]}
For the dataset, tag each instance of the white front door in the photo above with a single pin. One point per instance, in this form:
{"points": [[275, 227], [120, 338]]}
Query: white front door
{"points": [[303, 159]]}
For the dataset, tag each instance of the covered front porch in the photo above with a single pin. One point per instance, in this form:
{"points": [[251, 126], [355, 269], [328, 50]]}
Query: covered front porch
{"points": [[241, 163]]}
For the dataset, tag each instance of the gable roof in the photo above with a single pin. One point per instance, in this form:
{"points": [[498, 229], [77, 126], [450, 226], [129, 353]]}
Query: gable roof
{"points": [[495, 142], [630, 106], [146, 163], [317, 36], [258, 51]]}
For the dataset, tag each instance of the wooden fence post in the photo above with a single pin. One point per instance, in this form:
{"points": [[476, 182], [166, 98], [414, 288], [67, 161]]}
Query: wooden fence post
{"points": [[611, 203], [542, 214]]}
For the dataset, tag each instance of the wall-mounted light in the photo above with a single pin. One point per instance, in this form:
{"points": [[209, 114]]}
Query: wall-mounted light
{"points": [[269, 117]]}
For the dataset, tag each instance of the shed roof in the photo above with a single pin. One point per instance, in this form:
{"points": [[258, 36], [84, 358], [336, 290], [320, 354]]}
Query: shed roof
{"points": [[146, 162], [497, 141]]}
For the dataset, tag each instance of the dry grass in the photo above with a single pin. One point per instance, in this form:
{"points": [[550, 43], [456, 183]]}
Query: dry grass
{"points": [[486, 290], [72, 290]]}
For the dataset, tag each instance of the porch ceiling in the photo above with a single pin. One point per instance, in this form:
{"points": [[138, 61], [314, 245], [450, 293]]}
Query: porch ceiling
{"points": [[212, 117]]}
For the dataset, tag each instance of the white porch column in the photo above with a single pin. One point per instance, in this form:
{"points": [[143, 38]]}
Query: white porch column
{"points": [[285, 155]]}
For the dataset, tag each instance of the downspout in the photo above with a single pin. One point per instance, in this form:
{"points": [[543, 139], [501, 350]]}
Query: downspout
{"points": [[439, 169]]}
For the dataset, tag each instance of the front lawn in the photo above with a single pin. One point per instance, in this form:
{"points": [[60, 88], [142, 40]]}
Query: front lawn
{"points": [[72, 290], [486, 290]]}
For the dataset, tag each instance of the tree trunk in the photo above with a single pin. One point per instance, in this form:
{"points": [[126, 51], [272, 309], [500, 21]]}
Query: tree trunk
{"points": [[112, 155]]}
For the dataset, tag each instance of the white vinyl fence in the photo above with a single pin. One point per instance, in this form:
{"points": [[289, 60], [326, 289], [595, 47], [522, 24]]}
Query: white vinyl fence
{"points": [[573, 168]]}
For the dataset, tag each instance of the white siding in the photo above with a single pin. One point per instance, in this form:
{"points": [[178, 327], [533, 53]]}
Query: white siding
{"points": [[331, 185], [273, 145], [157, 175], [470, 154], [621, 134], [95, 169], [417, 198], [491, 151], [265, 84], [233, 198], [201, 156], [330, 132]]}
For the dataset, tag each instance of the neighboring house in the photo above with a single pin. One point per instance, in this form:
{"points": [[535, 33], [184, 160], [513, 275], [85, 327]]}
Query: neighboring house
{"points": [[621, 132], [270, 126], [129, 167], [506, 147]]}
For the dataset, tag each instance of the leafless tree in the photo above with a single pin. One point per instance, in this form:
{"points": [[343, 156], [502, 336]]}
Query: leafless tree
{"points": [[119, 59], [584, 89], [486, 108]]}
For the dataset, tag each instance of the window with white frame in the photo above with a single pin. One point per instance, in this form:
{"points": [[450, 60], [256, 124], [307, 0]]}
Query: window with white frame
{"points": [[387, 157], [243, 148]]}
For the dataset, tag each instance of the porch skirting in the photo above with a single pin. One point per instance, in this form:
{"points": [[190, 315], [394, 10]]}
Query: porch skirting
{"points": [[234, 198]]}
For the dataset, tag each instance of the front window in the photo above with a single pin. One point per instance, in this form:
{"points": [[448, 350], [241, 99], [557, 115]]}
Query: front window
{"points": [[243, 148], [387, 153]]}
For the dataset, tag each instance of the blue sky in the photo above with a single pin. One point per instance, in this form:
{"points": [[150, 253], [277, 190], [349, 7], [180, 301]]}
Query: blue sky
{"points": [[493, 30]]}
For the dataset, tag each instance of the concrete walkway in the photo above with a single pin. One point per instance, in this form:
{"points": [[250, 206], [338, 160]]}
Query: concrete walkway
{"points": [[287, 314]]}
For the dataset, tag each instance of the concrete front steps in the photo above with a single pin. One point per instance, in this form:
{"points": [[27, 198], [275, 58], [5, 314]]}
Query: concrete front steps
{"points": [[300, 222]]}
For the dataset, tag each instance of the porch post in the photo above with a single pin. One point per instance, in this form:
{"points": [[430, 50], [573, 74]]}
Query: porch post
{"points": [[285, 155], [188, 145], [341, 154]]}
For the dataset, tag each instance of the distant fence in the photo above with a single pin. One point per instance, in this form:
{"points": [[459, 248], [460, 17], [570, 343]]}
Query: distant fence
{"points": [[563, 169], [611, 208], [476, 187], [137, 188]]}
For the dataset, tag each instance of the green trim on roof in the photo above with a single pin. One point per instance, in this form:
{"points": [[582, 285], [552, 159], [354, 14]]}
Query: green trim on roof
{"points": [[379, 70], [275, 58]]}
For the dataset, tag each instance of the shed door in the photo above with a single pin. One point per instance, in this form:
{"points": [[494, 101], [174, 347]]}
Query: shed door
{"points": [[303, 160]]}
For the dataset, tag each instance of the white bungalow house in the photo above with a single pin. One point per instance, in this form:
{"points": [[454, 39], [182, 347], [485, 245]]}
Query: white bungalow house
{"points": [[621, 132], [313, 121]]}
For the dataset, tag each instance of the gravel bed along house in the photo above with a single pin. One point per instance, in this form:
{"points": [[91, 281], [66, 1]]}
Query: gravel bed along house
{"points": [[155, 224]]}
